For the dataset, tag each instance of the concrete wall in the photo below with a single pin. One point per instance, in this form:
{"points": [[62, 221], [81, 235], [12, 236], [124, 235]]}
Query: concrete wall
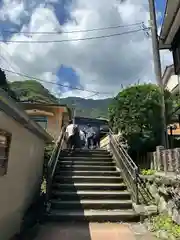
{"points": [[104, 144], [54, 123], [23, 176]]}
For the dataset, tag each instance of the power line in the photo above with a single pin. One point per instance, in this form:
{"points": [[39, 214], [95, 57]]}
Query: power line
{"points": [[93, 95], [58, 84], [6, 62], [75, 31], [78, 39], [90, 96]]}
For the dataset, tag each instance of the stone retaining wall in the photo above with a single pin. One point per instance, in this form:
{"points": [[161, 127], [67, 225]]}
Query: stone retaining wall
{"points": [[165, 190]]}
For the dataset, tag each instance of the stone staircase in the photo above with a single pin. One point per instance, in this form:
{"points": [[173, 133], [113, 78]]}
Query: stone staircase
{"points": [[87, 186]]}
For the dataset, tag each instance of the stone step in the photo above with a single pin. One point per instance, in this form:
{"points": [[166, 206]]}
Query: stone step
{"points": [[92, 204], [87, 151], [90, 173], [79, 154], [89, 186], [108, 195], [93, 163], [93, 215], [88, 179], [84, 158], [87, 167]]}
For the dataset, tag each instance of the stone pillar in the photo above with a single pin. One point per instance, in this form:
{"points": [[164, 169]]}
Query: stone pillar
{"points": [[164, 158], [155, 161], [177, 160], [173, 159], [170, 159], [152, 160], [159, 158]]}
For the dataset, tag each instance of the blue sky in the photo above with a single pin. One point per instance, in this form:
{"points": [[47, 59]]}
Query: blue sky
{"points": [[67, 74], [160, 7], [96, 65]]}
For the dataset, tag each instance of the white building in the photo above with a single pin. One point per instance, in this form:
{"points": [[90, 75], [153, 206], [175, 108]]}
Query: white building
{"points": [[170, 39], [171, 80]]}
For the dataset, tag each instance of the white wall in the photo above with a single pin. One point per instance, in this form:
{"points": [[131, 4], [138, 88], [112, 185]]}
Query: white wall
{"points": [[172, 82], [25, 165]]}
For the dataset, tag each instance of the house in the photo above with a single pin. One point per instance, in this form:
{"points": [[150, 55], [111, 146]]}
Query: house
{"points": [[22, 143], [170, 32], [174, 130], [50, 116], [170, 80], [170, 39]]}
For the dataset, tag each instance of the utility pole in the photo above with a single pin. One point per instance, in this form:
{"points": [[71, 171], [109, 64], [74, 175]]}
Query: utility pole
{"points": [[157, 69], [74, 111], [178, 85]]}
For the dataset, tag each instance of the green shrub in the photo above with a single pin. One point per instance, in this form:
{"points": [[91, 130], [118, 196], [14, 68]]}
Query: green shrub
{"points": [[165, 223], [47, 155], [148, 172]]}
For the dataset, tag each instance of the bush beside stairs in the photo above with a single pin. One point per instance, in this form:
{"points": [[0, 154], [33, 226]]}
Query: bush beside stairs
{"points": [[88, 186]]}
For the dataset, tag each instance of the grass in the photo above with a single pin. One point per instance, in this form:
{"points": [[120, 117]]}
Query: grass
{"points": [[47, 154], [148, 172], [43, 186], [165, 223]]}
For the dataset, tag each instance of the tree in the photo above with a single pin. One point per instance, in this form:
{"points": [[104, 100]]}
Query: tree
{"points": [[135, 112], [5, 86]]}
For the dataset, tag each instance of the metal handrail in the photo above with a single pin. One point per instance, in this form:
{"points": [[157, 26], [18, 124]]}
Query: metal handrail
{"points": [[130, 172], [51, 166], [123, 150], [127, 166]]}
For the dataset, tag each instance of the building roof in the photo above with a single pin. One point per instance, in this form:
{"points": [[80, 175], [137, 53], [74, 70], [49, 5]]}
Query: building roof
{"points": [[37, 104], [37, 112], [90, 120], [15, 110], [170, 24], [43, 103]]}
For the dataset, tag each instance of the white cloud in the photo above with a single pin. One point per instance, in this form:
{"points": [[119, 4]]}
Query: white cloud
{"points": [[12, 10], [104, 64]]}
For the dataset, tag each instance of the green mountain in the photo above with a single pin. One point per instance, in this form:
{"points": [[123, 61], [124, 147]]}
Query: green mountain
{"points": [[88, 107], [31, 90]]}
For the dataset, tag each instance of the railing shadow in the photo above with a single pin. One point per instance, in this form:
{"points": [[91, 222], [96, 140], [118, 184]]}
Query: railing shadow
{"points": [[69, 199], [146, 196]]}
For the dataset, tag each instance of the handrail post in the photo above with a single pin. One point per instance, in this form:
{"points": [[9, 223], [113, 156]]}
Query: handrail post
{"points": [[136, 184]]}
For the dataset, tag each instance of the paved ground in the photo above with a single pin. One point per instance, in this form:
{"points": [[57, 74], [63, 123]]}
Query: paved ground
{"points": [[93, 231]]}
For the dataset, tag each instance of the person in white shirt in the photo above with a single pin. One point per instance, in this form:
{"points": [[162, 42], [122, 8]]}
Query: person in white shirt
{"points": [[70, 135], [82, 138]]}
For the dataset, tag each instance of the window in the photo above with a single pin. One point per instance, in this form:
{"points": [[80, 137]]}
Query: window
{"points": [[42, 124], [5, 139], [41, 120]]}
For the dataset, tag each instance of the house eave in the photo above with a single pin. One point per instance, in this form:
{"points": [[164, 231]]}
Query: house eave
{"points": [[170, 24]]}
